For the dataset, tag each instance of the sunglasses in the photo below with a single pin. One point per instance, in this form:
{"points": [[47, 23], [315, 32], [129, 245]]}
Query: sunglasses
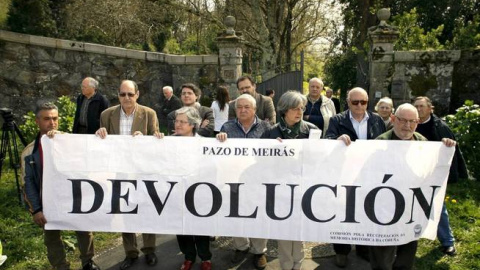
{"points": [[125, 94], [356, 102]]}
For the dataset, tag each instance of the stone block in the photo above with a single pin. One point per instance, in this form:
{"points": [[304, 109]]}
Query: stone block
{"points": [[14, 37], [70, 45], [43, 41], [156, 57], [404, 56], [94, 48], [177, 59], [134, 54], [114, 51], [210, 59], [193, 59]]}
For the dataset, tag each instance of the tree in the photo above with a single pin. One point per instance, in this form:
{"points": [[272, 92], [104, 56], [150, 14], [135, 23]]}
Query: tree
{"points": [[32, 17]]}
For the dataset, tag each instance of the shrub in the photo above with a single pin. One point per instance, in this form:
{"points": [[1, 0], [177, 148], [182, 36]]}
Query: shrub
{"points": [[66, 113], [466, 126]]}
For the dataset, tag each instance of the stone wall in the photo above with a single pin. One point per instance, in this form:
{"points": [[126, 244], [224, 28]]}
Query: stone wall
{"points": [[36, 68], [466, 79]]}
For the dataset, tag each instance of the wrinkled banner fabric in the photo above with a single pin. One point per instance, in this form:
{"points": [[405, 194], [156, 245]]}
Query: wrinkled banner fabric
{"points": [[370, 193]]}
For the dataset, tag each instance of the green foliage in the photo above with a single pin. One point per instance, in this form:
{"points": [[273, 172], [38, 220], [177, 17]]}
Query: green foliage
{"points": [[172, 46], [66, 113], [412, 35], [32, 17], [466, 126], [466, 36], [4, 6], [340, 71]]}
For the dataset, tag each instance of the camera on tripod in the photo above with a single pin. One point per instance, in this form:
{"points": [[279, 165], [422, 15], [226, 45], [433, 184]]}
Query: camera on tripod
{"points": [[6, 114], [9, 146]]}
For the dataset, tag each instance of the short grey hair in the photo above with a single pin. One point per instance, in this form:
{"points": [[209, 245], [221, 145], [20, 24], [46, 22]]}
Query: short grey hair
{"points": [[168, 88], [46, 106], [92, 82], [248, 98], [385, 100], [290, 100], [406, 107], [316, 80], [193, 116], [356, 89]]}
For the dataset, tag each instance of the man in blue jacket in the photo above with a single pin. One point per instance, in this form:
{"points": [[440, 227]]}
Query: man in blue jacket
{"points": [[46, 117]]}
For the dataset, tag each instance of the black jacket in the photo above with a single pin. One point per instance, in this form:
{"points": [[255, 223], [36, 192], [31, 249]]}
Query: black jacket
{"points": [[340, 124], [97, 105], [458, 169]]}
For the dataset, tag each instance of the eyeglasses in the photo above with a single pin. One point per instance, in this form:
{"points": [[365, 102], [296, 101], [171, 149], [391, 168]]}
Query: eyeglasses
{"points": [[298, 109], [181, 122], [356, 102], [403, 121], [125, 94]]}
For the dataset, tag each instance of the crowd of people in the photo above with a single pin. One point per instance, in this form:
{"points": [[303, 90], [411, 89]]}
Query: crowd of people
{"points": [[250, 115]]}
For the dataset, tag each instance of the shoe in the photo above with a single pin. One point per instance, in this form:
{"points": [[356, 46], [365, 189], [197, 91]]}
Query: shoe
{"points": [[187, 265], [449, 250], [90, 265], [341, 260], [128, 262], [239, 255], [206, 265], [151, 259], [259, 261]]}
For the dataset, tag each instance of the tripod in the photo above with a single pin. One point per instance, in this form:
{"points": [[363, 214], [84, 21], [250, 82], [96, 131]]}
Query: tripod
{"points": [[9, 145]]}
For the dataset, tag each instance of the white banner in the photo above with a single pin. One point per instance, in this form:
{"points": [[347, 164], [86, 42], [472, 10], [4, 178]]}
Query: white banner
{"points": [[371, 192]]}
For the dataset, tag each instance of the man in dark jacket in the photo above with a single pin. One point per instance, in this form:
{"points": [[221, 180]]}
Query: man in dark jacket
{"points": [[435, 129], [265, 108], [170, 103], [350, 125], [46, 117], [90, 104]]}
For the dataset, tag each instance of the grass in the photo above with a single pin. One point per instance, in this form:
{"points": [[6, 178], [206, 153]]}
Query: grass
{"points": [[23, 240]]}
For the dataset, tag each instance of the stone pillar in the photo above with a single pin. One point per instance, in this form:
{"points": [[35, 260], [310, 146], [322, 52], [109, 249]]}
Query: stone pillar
{"points": [[381, 59], [230, 47]]}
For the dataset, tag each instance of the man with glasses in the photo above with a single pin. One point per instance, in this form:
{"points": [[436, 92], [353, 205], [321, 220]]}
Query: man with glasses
{"points": [[435, 129], [265, 109], [130, 118], [405, 121], [90, 104], [350, 125]]}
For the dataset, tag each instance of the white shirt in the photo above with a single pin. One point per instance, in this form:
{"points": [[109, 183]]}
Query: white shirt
{"points": [[220, 116], [361, 128], [126, 122]]}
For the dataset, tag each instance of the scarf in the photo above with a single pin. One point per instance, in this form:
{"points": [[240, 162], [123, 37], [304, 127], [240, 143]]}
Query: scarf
{"points": [[289, 132]]}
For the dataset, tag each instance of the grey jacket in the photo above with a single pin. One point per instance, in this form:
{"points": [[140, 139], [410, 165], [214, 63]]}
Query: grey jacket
{"points": [[234, 129]]}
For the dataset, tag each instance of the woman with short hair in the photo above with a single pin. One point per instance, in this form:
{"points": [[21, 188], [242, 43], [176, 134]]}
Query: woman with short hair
{"points": [[290, 107], [385, 109], [187, 122]]}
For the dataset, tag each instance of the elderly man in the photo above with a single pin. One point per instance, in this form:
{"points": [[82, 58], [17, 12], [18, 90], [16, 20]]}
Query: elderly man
{"points": [[170, 104], [319, 109], [336, 101], [190, 95], [246, 125], [350, 125], [435, 129], [130, 118], [265, 108], [405, 122], [90, 104], [46, 117]]}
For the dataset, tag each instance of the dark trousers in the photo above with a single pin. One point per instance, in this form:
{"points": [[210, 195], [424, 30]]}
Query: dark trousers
{"points": [[393, 257], [191, 245], [344, 249]]}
